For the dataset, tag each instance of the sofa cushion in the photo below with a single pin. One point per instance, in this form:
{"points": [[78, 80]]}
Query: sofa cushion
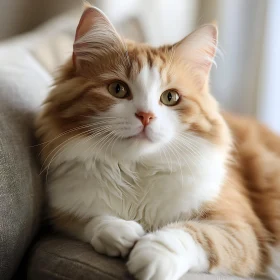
{"points": [[56, 257], [22, 84]]}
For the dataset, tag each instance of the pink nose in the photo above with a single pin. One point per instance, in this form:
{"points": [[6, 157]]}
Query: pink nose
{"points": [[144, 117]]}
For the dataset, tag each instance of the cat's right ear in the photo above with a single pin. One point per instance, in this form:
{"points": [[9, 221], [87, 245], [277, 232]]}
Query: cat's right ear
{"points": [[95, 35], [198, 49]]}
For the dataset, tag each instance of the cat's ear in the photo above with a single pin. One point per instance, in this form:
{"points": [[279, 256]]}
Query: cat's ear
{"points": [[95, 35], [198, 49]]}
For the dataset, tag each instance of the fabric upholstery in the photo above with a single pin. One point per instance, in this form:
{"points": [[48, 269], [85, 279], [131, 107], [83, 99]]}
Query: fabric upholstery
{"points": [[21, 84], [56, 257]]}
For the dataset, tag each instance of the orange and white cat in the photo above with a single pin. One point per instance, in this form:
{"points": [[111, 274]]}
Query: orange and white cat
{"points": [[141, 163]]}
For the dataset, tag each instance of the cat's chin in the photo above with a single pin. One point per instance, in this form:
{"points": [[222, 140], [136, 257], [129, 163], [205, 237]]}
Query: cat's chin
{"points": [[141, 136], [134, 148], [146, 136]]}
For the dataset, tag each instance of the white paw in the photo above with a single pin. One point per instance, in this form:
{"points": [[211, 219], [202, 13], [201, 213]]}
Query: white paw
{"points": [[116, 237], [164, 255]]}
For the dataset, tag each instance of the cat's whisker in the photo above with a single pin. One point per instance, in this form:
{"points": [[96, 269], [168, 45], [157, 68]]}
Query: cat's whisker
{"points": [[161, 158], [165, 154], [95, 145], [169, 148], [111, 139], [82, 133], [57, 147], [62, 145], [194, 137], [184, 160], [194, 144], [83, 141], [186, 146], [169, 164], [46, 168], [182, 153], [180, 165], [105, 117], [63, 133], [112, 147], [97, 134], [185, 149], [69, 131], [107, 141]]}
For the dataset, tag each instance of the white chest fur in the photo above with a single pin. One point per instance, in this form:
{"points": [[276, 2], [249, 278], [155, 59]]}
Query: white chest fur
{"points": [[153, 196]]}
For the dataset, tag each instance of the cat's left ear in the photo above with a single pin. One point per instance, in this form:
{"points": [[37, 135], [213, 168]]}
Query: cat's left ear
{"points": [[198, 50], [95, 36]]}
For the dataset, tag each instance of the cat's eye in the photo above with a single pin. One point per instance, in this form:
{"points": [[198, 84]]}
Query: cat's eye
{"points": [[170, 97], [118, 89]]}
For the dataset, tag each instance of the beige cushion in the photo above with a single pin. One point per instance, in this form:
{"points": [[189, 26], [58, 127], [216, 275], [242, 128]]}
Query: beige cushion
{"points": [[56, 257], [22, 82]]}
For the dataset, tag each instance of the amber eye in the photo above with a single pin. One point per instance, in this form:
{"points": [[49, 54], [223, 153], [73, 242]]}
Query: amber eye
{"points": [[118, 89], [170, 97]]}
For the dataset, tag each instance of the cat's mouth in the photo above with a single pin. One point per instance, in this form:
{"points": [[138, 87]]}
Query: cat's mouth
{"points": [[142, 135]]}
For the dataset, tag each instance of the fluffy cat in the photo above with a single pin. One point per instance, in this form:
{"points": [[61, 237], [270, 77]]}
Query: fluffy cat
{"points": [[141, 163]]}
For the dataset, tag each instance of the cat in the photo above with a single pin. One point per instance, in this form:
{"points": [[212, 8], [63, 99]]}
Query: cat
{"points": [[141, 163]]}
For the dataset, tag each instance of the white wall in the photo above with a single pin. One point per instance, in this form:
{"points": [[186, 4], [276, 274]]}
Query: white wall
{"points": [[164, 21]]}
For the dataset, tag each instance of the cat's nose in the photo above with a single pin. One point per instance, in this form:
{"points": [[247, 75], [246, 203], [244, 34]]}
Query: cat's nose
{"points": [[145, 117]]}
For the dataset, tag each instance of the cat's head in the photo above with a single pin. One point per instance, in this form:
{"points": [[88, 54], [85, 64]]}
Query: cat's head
{"points": [[124, 99]]}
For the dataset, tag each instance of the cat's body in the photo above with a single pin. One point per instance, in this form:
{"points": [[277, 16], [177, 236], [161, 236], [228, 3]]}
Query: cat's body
{"points": [[206, 186], [145, 196]]}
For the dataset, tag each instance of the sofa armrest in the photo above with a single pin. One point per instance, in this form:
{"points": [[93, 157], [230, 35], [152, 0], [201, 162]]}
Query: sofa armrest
{"points": [[22, 88]]}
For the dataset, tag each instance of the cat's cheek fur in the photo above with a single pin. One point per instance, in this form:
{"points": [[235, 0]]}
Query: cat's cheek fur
{"points": [[166, 254], [113, 236]]}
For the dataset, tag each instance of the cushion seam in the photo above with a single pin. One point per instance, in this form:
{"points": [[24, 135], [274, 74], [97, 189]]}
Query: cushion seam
{"points": [[52, 273], [83, 264]]}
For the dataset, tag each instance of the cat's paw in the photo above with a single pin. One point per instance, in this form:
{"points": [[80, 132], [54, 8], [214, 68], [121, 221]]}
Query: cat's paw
{"points": [[163, 255], [116, 237]]}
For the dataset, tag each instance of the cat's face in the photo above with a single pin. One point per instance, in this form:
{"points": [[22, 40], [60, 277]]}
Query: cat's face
{"points": [[142, 121], [127, 100]]}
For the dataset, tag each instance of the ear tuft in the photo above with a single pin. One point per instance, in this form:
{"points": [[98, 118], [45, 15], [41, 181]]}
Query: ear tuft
{"points": [[86, 4], [199, 48]]}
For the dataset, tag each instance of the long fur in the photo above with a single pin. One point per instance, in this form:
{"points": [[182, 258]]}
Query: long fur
{"points": [[197, 190]]}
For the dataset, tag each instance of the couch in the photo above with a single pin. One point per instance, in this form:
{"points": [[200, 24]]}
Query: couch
{"points": [[26, 252]]}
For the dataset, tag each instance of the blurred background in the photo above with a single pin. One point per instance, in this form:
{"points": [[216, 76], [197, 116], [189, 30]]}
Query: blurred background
{"points": [[246, 79]]}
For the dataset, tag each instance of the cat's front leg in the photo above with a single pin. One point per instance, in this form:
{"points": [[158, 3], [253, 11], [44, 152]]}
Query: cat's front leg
{"points": [[113, 236], [108, 235], [220, 248], [166, 255]]}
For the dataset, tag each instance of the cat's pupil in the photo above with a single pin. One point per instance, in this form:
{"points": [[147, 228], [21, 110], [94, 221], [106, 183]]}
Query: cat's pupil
{"points": [[118, 88], [169, 96]]}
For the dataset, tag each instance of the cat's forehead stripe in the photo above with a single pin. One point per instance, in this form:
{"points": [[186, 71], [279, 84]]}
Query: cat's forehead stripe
{"points": [[149, 79], [142, 56]]}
